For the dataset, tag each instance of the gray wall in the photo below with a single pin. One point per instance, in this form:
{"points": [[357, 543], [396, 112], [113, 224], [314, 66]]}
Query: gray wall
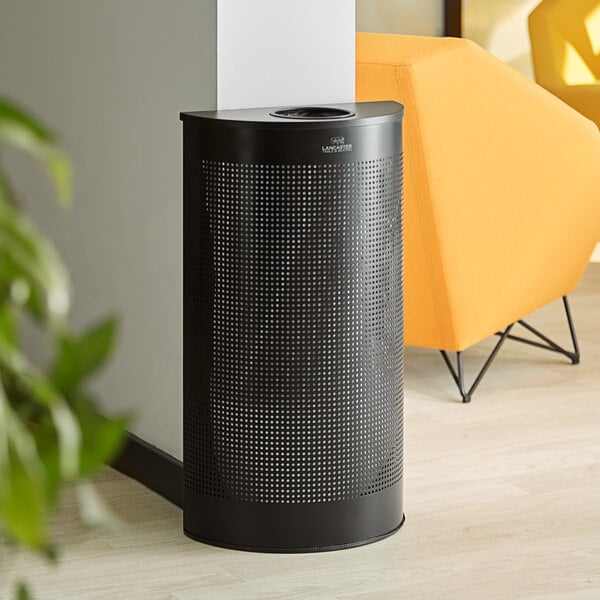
{"points": [[111, 76]]}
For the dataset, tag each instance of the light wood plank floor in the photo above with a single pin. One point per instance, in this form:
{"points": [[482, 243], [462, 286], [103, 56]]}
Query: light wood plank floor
{"points": [[502, 501]]}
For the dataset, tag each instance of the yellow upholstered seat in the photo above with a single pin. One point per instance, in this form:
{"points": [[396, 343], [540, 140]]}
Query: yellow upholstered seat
{"points": [[502, 186], [565, 46]]}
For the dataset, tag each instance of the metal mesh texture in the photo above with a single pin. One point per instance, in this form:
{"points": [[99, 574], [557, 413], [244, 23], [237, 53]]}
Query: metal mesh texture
{"points": [[293, 330]]}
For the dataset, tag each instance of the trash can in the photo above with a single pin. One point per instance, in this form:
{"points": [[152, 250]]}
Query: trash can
{"points": [[293, 332]]}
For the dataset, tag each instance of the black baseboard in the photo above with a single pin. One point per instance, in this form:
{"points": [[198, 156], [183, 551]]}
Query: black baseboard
{"points": [[152, 467]]}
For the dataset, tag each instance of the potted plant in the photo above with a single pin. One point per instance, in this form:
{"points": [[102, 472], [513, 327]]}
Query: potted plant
{"points": [[51, 431]]}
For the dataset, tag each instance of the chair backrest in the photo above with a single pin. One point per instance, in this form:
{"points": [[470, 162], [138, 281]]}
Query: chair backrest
{"points": [[502, 186], [565, 42]]}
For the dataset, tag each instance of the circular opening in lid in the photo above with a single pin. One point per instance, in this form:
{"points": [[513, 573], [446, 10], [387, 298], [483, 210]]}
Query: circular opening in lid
{"points": [[312, 112]]}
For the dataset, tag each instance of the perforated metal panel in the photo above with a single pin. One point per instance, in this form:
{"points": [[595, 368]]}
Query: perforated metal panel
{"points": [[293, 332], [305, 396]]}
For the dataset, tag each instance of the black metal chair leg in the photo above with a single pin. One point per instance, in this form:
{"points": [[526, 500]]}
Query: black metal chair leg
{"points": [[574, 355], [466, 397], [458, 374]]}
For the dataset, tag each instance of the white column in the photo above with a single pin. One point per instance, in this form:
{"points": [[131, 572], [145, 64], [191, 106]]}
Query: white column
{"points": [[284, 52]]}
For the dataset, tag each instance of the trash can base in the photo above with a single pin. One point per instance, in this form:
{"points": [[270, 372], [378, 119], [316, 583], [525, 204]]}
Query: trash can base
{"points": [[299, 550]]}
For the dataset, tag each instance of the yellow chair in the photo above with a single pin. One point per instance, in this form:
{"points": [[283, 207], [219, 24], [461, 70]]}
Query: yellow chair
{"points": [[502, 192], [565, 45]]}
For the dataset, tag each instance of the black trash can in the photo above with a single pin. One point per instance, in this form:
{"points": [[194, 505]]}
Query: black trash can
{"points": [[293, 332]]}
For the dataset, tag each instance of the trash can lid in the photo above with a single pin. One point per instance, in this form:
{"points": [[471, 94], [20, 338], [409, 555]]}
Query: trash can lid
{"points": [[344, 115], [312, 112]]}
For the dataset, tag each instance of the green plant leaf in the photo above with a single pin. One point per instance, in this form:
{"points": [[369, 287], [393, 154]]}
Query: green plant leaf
{"points": [[102, 438], [35, 305], [8, 331], [47, 443], [6, 190], [69, 436], [22, 504], [21, 130], [11, 114], [43, 391], [27, 255], [22, 591], [58, 166], [79, 356], [16, 437]]}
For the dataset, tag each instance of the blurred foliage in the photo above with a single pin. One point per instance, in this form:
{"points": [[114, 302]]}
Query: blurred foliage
{"points": [[50, 429]]}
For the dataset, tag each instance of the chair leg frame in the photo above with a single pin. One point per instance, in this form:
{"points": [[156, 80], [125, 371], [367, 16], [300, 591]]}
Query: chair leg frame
{"points": [[458, 373], [574, 355]]}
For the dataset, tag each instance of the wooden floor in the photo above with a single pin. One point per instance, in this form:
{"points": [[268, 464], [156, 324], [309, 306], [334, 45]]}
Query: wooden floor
{"points": [[502, 499]]}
